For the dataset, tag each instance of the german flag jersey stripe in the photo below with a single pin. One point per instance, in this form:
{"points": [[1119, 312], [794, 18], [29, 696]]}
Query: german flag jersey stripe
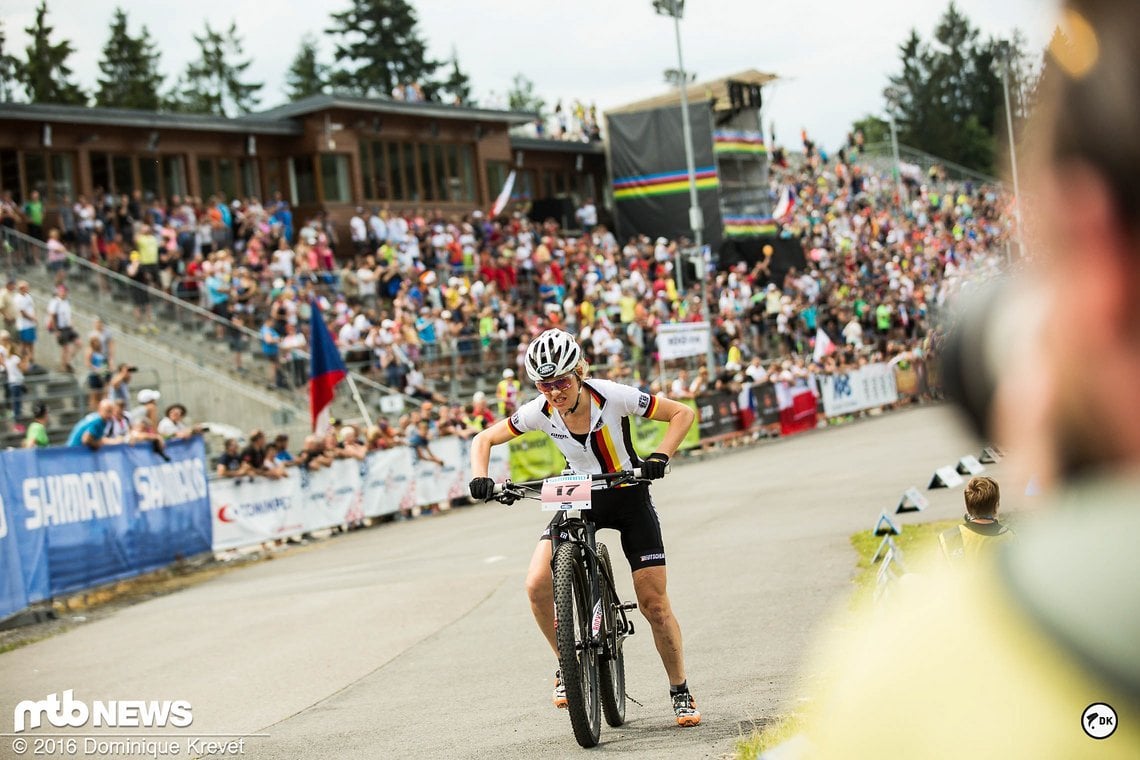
{"points": [[609, 442]]}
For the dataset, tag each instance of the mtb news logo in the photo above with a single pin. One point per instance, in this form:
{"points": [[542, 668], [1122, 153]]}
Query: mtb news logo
{"points": [[69, 712]]}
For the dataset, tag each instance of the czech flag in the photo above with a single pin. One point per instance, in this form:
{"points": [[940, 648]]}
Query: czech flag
{"points": [[785, 206], [326, 370]]}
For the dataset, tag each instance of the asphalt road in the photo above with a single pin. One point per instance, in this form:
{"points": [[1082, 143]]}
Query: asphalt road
{"points": [[415, 639]]}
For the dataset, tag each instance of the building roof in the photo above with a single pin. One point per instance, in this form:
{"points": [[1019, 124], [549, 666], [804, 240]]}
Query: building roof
{"points": [[715, 90], [556, 146], [129, 117], [315, 103]]}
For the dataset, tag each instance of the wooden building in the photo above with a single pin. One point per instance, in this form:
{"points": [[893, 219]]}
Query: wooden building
{"points": [[327, 152]]}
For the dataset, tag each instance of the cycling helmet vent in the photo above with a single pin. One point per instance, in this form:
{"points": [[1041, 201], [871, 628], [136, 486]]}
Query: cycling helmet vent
{"points": [[552, 354]]}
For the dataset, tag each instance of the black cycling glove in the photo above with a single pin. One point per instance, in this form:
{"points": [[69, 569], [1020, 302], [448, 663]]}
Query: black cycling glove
{"points": [[653, 466], [482, 489]]}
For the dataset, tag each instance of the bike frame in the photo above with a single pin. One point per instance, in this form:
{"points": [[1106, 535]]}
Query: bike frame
{"points": [[580, 533]]}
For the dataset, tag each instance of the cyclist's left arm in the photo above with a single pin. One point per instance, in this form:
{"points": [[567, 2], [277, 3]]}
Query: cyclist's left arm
{"points": [[680, 418]]}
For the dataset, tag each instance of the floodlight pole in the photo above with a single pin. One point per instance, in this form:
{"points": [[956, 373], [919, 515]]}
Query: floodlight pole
{"points": [[675, 9], [1005, 56]]}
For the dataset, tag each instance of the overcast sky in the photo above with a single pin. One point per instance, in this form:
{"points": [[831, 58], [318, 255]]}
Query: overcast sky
{"points": [[833, 57]]}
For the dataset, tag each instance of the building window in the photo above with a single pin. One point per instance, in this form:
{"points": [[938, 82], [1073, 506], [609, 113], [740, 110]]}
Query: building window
{"points": [[148, 177], [411, 182], [277, 179], [427, 179], [207, 184], [304, 179], [466, 173], [227, 178], [250, 178], [397, 168], [524, 186], [10, 172], [335, 178], [497, 173], [122, 175], [374, 170], [173, 175]]}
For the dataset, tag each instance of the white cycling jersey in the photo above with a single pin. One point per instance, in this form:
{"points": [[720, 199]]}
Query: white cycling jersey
{"points": [[609, 445]]}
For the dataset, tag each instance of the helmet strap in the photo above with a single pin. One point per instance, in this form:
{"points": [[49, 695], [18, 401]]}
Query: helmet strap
{"points": [[578, 400]]}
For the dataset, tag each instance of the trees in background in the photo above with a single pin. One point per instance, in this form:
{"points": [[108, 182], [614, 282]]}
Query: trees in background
{"points": [[307, 75], [214, 82], [45, 75], [948, 99], [378, 48], [129, 69]]}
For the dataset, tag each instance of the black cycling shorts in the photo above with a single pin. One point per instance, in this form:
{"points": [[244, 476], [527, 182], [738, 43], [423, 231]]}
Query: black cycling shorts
{"points": [[631, 513]]}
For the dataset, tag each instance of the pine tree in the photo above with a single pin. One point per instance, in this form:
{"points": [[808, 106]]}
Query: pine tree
{"points": [[8, 66], [948, 97], [131, 78], [307, 75], [457, 85], [213, 84], [522, 97], [46, 75], [377, 48]]}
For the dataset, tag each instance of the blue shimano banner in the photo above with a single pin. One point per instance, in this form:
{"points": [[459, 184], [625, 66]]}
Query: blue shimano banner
{"points": [[82, 518]]}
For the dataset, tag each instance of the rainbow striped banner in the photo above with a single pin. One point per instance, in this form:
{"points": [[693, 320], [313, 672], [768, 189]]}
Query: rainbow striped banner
{"points": [[729, 141], [749, 226], [666, 183]]}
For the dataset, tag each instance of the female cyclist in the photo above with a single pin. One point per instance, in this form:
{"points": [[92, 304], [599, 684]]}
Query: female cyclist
{"points": [[589, 421]]}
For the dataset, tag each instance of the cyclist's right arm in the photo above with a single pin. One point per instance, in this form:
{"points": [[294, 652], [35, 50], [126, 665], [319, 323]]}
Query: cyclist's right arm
{"points": [[481, 445]]}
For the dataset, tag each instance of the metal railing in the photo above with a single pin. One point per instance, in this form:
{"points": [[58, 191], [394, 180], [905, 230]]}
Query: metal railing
{"points": [[205, 338]]}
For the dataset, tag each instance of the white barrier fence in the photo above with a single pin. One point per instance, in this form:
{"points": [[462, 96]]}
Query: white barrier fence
{"points": [[864, 388], [247, 512]]}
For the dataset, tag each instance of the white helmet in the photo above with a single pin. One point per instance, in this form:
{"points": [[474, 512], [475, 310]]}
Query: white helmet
{"points": [[552, 354]]}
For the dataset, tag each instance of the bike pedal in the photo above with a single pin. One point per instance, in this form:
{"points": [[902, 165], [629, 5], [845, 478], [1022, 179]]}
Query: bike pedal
{"points": [[628, 606]]}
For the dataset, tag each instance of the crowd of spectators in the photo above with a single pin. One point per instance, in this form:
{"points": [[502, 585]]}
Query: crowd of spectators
{"points": [[418, 293]]}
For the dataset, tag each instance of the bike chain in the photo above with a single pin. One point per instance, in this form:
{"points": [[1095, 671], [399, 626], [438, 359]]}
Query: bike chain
{"points": [[631, 699]]}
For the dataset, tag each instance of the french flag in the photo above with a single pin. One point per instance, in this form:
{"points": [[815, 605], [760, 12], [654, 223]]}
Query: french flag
{"points": [[785, 205], [325, 371]]}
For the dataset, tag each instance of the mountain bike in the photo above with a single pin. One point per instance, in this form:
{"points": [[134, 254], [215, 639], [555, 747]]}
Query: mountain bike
{"points": [[591, 622]]}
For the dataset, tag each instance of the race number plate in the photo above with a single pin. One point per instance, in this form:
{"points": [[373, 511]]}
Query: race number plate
{"points": [[566, 492]]}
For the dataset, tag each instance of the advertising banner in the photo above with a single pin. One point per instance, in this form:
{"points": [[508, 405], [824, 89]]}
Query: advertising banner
{"points": [[765, 403], [533, 456], [387, 475], [83, 518], [676, 340], [864, 388], [648, 434], [249, 511], [717, 414]]}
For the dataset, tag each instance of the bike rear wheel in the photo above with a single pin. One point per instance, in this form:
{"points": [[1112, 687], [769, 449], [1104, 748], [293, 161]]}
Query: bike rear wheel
{"points": [[577, 657], [611, 668]]}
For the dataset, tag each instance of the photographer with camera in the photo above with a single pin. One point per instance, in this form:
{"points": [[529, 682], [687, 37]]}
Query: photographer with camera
{"points": [[1034, 653]]}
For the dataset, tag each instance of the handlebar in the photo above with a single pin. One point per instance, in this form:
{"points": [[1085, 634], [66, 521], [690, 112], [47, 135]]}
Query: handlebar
{"points": [[509, 491]]}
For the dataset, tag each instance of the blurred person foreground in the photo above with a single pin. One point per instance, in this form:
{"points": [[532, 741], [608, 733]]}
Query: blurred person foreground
{"points": [[1033, 653]]}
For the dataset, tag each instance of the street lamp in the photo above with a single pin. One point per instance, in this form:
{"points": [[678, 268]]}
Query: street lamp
{"points": [[893, 99], [676, 9], [1004, 55]]}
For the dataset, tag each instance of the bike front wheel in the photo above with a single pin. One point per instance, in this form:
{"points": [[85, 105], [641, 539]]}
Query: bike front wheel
{"points": [[577, 656], [611, 666]]}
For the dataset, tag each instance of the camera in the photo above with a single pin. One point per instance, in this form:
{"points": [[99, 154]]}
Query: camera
{"points": [[132, 369]]}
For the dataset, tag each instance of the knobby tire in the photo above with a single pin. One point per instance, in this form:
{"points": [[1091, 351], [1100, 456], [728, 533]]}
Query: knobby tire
{"points": [[611, 670], [579, 665]]}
